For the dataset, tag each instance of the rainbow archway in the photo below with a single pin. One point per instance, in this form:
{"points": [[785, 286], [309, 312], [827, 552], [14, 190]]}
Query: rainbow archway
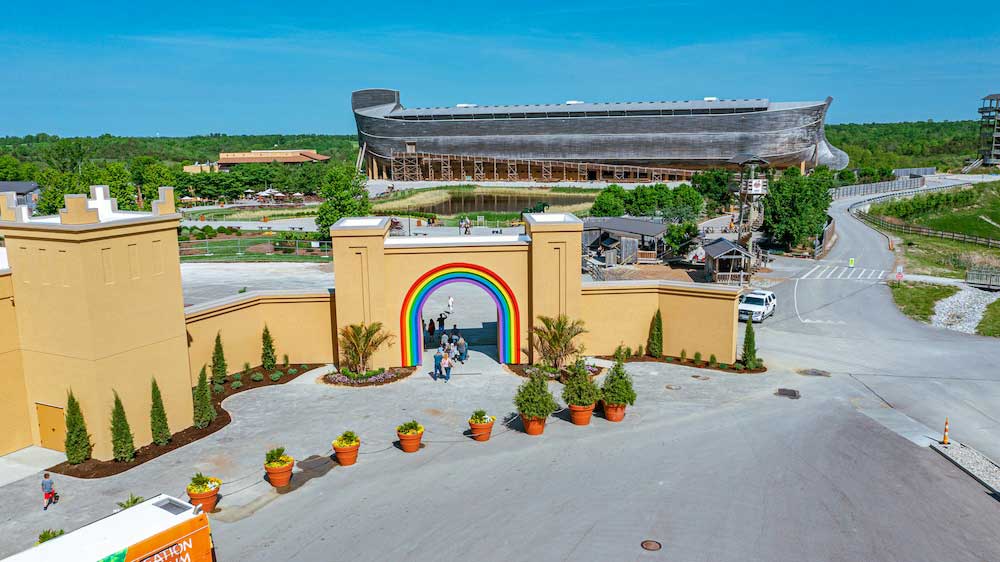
{"points": [[508, 314]]}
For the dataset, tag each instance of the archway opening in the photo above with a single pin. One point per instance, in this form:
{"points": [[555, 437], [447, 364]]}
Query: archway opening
{"points": [[492, 321]]}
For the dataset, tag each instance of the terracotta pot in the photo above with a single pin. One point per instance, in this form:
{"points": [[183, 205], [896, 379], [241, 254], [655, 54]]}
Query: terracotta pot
{"points": [[205, 499], [279, 476], [580, 415], [481, 431], [410, 443], [614, 412], [533, 426], [346, 456]]}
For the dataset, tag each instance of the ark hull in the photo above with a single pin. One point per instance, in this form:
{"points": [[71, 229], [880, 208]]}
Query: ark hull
{"points": [[785, 134]]}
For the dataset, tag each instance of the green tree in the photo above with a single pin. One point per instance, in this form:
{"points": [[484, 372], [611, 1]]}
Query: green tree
{"points": [[122, 444], [713, 185], [117, 177], [204, 410], [358, 342], [607, 204], [749, 347], [219, 368], [345, 194], [267, 358], [66, 155], [10, 168], [678, 236], [795, 208], [654, 344], [158, 418], [78, 445]]}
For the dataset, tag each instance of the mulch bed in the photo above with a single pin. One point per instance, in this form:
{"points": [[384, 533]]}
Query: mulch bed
{"points": [[688, 363], [393, 375], [521, 370], [94, 468]]}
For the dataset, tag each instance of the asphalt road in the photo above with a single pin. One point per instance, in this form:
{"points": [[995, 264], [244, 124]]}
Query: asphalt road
{"points": [[830, 319]]}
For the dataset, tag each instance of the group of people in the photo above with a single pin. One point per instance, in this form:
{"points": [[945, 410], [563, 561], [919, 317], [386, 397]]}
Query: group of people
{"points": [[453, 348], [465, 226]]}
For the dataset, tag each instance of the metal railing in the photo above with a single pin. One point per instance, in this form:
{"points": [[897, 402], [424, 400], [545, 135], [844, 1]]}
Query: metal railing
{"points": [[736, 278], [255, 249], [878, 187]]}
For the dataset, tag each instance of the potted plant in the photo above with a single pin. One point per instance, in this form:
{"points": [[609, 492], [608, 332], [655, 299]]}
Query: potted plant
{"points": [[346, 448], [481, 425], [409, 435], [616, 392], [535, 403], [279, 467], [204, 491], [580, 394]]}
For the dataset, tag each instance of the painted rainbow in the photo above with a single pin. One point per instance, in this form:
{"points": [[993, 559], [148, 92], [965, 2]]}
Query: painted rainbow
{"points": [[508, 314]]}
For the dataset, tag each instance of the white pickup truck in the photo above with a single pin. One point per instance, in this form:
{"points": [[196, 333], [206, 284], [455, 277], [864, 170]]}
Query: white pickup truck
{"points": [[757, 305]]}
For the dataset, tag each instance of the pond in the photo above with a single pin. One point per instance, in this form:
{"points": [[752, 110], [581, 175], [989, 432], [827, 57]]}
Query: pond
{"points": [[458, 202]]}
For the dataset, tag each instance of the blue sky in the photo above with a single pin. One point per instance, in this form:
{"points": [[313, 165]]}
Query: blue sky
{"points": [[180, 68]]}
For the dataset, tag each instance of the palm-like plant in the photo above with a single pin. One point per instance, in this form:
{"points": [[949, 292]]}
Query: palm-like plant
{"points": [[553, 339], [358, 342]]}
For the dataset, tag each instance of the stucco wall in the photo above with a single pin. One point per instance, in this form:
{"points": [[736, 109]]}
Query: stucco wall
{"points": [[695, 317], [16, 432], [300, 324]]}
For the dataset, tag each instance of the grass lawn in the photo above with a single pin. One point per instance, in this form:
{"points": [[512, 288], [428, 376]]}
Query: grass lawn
{"points": [[252, 250], [238, 214], [990, 324], [943, 258], [917, 300]]}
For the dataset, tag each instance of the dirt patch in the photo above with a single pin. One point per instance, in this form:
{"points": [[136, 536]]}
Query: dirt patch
{"points": [[689, 363], [94, 468], [389, 376]]}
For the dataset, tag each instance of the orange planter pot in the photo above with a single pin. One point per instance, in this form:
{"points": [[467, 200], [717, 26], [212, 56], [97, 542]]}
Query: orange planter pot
{"points": [[481, 431], [346, 456], [614, 412], [205, 499], [580, 415], [279, 476], [410, 443], [533, 426]]}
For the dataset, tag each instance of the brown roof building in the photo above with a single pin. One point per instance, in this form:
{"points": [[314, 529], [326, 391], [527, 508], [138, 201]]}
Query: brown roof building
{"points": [[229, 159]]}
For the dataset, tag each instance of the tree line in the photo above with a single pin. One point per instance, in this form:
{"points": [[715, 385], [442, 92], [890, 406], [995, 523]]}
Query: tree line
{"points": [[944, 144], [922, 204]]}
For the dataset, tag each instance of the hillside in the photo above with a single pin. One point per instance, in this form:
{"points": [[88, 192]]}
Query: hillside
{"points": [[944, 144]]}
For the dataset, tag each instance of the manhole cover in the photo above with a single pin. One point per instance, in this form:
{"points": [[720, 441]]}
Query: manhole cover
{"points": [[651, 545], [813, 373]]}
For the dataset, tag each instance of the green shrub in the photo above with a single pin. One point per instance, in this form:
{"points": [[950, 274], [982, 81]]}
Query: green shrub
{"points": [[711, 360], [749, 347], [638, 352], [183, 238], [238, 232], [237, 376], [347, 439], [257, 377], [236, 385], [654, 345], [78, 445], [683, 355], [669, 359], [218, 388], [275, 376], [617, 388], [410, 428], [219, 367], [208, 231], [284, 360], [198, 236], [277, 457], [158, 418], [246, 367], [122, 442], [579, 389], [724, 365], [204, 410], [267, 359], [533, 399], [738, 366], [241, 291], [132, 501], [49, 534], [621, 353], [697, 357], [293, 371]]}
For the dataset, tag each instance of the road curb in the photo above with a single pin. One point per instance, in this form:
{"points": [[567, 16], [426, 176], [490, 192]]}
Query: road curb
{"points": [[943, 452]]}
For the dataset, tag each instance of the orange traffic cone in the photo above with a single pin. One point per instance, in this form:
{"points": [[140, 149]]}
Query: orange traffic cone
{"points": [[945, 440]]}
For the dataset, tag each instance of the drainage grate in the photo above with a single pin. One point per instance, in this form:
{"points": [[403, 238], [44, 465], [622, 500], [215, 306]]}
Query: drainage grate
{"points": [[813, 373], [651, 545]]}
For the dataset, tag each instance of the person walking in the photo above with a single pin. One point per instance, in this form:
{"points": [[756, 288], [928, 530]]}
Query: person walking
{"points": [[430, 329], [451, 304], [463, 349], [441, 318], [48, 491], [454, 333], [446, 364], [444, 339], [438, 356]]}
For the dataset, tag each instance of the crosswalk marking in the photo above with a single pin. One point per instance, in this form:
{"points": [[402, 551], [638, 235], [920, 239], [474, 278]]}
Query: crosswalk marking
{"points": [[839, 273]]}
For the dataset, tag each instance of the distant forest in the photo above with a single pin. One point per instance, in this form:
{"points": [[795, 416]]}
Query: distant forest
{"points": [[918, 144]]}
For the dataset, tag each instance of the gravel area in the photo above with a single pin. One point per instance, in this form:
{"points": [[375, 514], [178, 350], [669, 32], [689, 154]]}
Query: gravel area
{"points": [[963, 311], [973, 461]]}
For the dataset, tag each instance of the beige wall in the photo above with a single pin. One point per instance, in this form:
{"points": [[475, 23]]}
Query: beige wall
{"points": [[14, 420], [99, 309], [300, 324], [696, 317]]}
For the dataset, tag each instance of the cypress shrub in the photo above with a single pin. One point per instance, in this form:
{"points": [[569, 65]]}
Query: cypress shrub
{"points": [[219, 369], [123, 446], [267, 358], [204, 411], [78, 445], [158, 418], [749, 347], [654, 346]]}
